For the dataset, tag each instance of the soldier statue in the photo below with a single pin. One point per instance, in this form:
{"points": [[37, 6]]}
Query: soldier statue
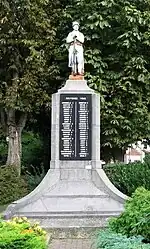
{"points": [[75, 41]]}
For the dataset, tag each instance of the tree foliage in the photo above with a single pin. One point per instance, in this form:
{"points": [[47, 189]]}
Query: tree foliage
{"points": [[27, 42], [117, 62], [27, 48]]}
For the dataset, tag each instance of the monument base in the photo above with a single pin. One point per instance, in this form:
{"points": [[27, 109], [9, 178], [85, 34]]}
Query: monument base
{"points": [[74, 193], [71, 198]]}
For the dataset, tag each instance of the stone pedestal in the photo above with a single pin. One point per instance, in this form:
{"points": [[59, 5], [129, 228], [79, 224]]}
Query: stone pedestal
{"points": [[75, 192]]}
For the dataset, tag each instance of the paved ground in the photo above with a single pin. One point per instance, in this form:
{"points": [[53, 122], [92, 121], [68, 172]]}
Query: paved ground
{"points": [[72, 238], [71, 244]]}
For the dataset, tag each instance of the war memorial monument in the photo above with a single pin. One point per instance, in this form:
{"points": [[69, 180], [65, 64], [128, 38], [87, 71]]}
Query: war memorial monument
{"points": [[75, 191]]}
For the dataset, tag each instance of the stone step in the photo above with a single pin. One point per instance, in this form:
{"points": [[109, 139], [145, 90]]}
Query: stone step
{"points": [[81, 214], [76, 196], [97, 221], [72, 233], [65, 220], [69, 204]]}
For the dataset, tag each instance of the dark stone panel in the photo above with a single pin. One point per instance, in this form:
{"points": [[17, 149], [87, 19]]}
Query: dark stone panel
{"points": [[75, 127]]}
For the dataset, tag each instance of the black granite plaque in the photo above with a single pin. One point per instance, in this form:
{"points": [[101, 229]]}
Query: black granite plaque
{"points": [[75, 126]]}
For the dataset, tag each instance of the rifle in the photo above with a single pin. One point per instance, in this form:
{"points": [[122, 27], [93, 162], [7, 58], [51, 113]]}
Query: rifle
{"points": [[74, 58]]}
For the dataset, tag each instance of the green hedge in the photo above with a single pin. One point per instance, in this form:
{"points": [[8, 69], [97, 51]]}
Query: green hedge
{"points": [[109, 240], [20, 234], [128, 177], [12, 187], [135, 220]]}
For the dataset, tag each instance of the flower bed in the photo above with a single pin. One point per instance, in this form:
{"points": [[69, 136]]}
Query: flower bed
{"points": [[19, 233]]}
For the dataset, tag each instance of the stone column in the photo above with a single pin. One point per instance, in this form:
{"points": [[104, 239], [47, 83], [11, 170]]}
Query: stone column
{"points": [[96, 163], [55, 131]]}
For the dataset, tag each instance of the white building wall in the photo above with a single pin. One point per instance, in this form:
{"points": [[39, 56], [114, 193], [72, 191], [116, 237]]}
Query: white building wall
{"points": [[130, 158]]}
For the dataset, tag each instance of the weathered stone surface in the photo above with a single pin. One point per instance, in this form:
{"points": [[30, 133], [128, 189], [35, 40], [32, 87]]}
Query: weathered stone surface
{"points": [[71, 243]]}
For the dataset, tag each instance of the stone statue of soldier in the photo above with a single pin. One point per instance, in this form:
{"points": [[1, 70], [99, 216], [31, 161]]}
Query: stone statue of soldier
{"points": [[75, 41]]}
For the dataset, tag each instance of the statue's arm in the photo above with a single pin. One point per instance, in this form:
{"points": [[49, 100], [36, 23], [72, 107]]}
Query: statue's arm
{"points": [[69, 38], [80, 37]]}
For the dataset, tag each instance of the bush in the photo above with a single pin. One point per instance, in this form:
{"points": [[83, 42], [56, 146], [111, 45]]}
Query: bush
{"points": [[108, 240], [128, 177], [19, 233], [147, 158], [3, 151], [12, 187], [34, 179], [32, 149], [3, 147], [135, 220]]}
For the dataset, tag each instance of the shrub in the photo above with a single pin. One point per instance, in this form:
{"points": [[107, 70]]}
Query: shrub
{"points": [[32, 149], [128, 177], [12, 187], [135, 220], [147, 158], [3, 151], [19, 233], [108, 240], [34, 179]]}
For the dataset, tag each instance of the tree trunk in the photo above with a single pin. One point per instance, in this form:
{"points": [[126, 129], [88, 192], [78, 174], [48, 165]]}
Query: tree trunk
{"points": [[14, 139], [14, 145]]}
